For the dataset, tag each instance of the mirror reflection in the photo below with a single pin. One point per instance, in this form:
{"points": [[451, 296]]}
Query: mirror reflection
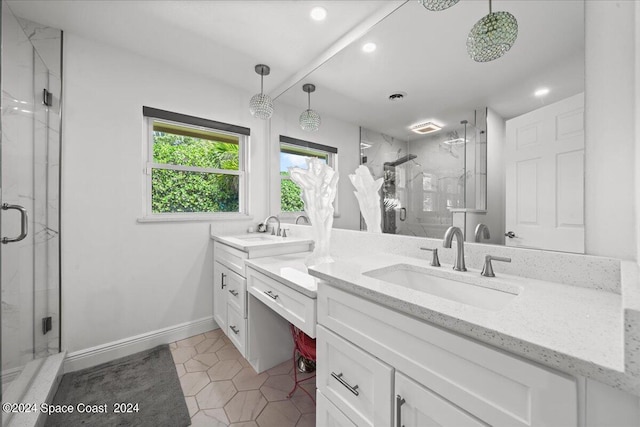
{"points": [[504, 141]]}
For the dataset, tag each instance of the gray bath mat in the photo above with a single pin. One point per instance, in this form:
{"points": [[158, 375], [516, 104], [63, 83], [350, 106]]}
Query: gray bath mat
{"points": [[148, 379]]}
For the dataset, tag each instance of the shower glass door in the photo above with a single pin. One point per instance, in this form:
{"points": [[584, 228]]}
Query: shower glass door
{"points": [[29, 218]]}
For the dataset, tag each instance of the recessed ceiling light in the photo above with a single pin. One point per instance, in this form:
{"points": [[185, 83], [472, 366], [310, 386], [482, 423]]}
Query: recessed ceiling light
{"points": [[369, 47], [541, 92], [425, 128], [318, 13]]}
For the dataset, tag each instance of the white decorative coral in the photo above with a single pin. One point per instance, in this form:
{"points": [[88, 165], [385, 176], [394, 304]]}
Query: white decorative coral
{"points": [[319, 183], [368, 195]]}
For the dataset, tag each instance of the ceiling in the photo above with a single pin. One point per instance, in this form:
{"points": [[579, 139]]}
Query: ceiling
{"points": [[423, 54], [220, 39], [419, 52]]}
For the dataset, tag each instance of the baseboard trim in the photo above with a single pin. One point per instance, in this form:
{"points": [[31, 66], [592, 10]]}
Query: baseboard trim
{"points": [[106, 352]]}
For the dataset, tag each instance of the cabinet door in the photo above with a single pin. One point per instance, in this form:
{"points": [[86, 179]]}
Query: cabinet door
{"points": [[220, 274], [328, 415], [417, 406]]}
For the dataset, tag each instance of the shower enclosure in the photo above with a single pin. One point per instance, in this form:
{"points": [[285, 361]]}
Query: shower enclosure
{"points": [[429, 180], [29, 188]]}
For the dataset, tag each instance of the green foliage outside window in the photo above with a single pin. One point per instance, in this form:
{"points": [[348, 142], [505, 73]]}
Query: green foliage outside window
{"points": [[290, 200], [187, 191]]}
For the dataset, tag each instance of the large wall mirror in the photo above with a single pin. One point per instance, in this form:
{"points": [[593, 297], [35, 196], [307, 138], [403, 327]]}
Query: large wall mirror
{"points": [[510, 149]]}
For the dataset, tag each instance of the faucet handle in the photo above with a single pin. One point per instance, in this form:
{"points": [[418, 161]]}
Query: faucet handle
{"points": [[435, 262], [284, 232], [487, 270]]}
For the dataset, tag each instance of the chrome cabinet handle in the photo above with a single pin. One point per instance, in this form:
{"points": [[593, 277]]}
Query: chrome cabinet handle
{"points": [[222, 275], [399, 402], [270, 294], [234, 329], [233, 292], [352, 389], [24, 223]]}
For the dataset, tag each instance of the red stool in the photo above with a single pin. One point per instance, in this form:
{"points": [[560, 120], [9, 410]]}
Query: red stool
{"points": [[304, 346]]}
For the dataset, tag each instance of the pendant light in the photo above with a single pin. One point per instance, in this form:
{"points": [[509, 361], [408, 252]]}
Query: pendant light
{"points": [[437, 5], [261, 104], [309, 119], [492, 36]]}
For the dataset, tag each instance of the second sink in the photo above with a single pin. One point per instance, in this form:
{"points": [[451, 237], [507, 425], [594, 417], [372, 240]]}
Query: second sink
{"points": [[423, 280]]}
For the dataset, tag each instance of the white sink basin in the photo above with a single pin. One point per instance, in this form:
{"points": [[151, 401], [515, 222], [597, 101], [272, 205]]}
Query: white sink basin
{"points": [[256, 238], [423, 280]]}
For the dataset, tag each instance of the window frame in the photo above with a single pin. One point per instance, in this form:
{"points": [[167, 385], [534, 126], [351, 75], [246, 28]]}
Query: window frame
{"points": [[152, 115], [332, 160]]}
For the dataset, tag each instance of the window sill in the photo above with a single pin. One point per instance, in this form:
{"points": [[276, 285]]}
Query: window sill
{"points": [[195, 218]]}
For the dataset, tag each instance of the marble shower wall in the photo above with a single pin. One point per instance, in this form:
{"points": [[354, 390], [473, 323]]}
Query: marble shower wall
{"points": [[31, 58]]}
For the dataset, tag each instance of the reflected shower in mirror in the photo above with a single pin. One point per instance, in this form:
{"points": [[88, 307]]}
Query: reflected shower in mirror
{"points": [[420, 73]]}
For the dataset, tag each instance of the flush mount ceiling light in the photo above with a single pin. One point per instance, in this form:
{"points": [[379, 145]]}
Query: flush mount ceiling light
{"points": [[318, 13], [261, 104], [492, 36], [425, 128], [309, 119], [543, 91], [438, 5], [369, 47]]}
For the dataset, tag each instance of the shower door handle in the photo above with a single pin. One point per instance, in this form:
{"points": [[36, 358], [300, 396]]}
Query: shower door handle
{"points": [[24, 224], [403, 214]]}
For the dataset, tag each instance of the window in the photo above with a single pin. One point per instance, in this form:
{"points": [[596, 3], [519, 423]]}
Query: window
{"points": [[293, 153], [195, 167]]}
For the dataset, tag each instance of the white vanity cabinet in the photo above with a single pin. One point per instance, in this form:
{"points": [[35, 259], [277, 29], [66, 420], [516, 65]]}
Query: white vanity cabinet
{"points": [[229, 294], [438, 377], [230, 297]]}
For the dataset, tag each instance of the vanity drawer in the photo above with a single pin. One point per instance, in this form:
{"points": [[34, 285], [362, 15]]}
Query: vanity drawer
{"points": [[328, 415], [297, 308], [236, 289], [494, 386], [237, 329], [230, 257], [356, 382]]}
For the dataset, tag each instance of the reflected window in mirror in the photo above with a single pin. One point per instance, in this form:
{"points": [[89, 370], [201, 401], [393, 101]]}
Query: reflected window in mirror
{"points": [[294, 153]]}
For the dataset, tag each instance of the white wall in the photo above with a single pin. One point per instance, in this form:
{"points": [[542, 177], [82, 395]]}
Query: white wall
{"points": [[610, 140], [120, 277], [334, 133]]}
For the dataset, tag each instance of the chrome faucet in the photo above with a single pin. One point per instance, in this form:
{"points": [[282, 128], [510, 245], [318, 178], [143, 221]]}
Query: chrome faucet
{"points": [[482, 231], [487, 270], [275, 230], [302, 217], [452, 232]]}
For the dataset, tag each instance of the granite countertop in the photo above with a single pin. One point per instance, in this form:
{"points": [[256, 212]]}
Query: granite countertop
{"points": [[289, 270], [573, 329], [249, 241]]}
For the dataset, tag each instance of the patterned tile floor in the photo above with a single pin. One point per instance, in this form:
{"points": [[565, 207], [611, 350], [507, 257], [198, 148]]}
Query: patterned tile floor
{"points": [[222, 389]]}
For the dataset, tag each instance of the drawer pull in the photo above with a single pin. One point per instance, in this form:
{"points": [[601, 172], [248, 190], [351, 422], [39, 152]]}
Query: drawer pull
{"points": [[234, 329], [352, 389], [271, 295], [222, 279], [399, 402], [233, 292]]}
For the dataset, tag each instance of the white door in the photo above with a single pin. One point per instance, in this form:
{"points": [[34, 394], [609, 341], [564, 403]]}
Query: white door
{"points": [[220, 280], [545, 177], [417, 406]]}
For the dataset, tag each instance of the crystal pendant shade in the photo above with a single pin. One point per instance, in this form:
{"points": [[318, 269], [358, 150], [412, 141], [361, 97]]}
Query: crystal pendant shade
{"points": [[437, 5], [492, 36], [310, 120], [261, 106]]}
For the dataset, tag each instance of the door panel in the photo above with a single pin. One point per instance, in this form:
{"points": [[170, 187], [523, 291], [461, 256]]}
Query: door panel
{"points": [[545, 177]]}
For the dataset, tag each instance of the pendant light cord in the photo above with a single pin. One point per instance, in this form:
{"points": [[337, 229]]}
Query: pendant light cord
{"points": [[490, 12], [309, 101], [261, 84]]}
